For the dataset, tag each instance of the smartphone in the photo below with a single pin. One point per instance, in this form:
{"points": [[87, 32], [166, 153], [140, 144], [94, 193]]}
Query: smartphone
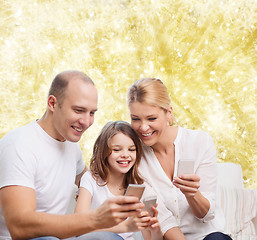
{"points": [[135, 190], [150, 202], [185, 166]]}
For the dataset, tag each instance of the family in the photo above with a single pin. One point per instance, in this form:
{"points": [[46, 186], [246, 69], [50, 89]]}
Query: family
{"points": [[40, 162]]}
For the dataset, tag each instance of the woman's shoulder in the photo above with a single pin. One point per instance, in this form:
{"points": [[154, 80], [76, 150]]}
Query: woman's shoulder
{"points": [[194, 133]]}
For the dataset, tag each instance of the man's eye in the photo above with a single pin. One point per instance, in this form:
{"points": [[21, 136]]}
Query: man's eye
{"points": [[92, 113], [78, 110]]}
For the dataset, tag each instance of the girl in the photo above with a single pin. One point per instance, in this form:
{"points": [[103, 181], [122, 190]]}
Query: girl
{"points": [[114, 165], [190, 197]]}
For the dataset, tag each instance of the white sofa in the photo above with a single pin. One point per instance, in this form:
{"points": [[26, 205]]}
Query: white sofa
{"points": [[238, 203]]}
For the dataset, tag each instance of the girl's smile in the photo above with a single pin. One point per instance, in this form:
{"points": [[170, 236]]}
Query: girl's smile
{"points": [[123, 153]]}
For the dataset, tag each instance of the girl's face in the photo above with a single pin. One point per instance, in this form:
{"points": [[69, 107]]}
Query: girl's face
{"points": [[149, 122], [123, 153]]}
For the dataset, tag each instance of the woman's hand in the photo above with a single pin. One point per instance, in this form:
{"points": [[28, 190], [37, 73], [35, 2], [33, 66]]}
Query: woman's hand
{"points": [[188, 184]]}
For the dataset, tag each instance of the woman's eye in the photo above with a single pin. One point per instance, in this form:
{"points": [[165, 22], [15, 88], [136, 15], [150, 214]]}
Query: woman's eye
{"points": [[115, 150], [134, 119], [152, 119]]}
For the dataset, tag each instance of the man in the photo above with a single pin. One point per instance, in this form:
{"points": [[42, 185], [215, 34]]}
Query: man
{"points": [[40, 162]]}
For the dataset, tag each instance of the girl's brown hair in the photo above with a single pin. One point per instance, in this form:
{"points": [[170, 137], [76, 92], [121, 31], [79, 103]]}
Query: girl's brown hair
{"points": [[99, 165]]}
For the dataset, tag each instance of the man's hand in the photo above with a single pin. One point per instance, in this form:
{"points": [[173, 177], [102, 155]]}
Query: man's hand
{"points": [[115, 210]]}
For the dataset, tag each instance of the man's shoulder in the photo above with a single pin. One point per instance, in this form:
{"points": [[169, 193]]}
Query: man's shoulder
{"points": [[18, 135]]}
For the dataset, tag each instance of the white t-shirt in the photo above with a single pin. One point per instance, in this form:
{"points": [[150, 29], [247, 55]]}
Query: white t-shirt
{"points": [[199, 146], [99, 195], [30, 157]]}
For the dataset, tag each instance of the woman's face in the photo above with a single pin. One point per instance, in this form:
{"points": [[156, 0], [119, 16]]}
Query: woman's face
{"points": [[149, 122]]}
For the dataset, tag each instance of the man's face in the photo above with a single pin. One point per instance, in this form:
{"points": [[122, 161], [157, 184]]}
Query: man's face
{"points": [[76, 113]]}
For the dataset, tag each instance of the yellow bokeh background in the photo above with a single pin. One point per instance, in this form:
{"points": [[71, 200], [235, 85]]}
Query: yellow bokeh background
{"points": [[204, 51]]}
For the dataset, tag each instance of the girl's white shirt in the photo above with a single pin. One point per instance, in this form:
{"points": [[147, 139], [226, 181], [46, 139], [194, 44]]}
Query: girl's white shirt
{"points": [[99, 195], [101, 192]]}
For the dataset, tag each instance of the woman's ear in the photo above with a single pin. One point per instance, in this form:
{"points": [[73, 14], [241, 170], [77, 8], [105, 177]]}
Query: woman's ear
{"points": [[170, 113], [51, 103], [170, 116]]}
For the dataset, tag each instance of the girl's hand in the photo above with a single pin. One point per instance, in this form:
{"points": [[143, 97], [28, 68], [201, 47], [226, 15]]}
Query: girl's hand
{"points": [[188, 184], [154, 225], [138, 223], [154, 229]]}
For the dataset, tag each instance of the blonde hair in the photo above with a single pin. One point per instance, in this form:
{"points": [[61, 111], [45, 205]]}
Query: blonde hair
{"points": [[150, 91]]}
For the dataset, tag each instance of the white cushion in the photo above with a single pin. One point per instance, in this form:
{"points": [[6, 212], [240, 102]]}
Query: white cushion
{"points": [[239, 207], [230, 175]]}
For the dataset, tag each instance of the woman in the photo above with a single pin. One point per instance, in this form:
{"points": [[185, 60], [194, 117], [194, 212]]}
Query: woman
{"points": [[190, 197]]}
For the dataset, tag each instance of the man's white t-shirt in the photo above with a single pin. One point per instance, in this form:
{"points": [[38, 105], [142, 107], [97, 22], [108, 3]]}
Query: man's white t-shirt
{"points": [[29, 157]]}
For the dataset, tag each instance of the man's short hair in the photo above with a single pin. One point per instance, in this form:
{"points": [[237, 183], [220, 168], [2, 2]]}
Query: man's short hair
{"points": [[61, 81]]}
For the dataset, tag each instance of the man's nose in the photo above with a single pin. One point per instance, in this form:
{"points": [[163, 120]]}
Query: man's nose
{"points": [[85, 120]]}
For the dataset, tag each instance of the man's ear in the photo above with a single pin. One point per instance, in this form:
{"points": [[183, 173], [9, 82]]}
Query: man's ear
{"points": [[51, 103]]}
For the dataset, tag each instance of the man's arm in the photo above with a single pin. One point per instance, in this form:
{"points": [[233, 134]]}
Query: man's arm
{"points": [[19, 209]]}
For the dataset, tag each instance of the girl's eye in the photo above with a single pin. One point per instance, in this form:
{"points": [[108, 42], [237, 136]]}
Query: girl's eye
{"points": [[115, 150], [132, 149], [134, 119]]}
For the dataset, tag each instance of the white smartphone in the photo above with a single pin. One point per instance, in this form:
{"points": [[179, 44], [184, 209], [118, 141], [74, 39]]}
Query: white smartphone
{"points": [[149, 202], [185, 166], [135, 190]]}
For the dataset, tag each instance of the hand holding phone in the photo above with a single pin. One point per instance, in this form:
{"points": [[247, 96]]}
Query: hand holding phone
{"points": [[185, 166], [135, 190], [149, 202]]}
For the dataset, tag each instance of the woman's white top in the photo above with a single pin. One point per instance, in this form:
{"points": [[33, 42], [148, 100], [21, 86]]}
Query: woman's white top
{"points": [[189, 144]]}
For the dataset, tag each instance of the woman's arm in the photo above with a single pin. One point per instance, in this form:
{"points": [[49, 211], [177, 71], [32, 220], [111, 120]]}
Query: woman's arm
{"points": [[189, 185], [200, 188]]}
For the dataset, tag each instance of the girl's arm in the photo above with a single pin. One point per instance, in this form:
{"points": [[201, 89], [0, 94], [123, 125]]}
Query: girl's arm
{"points": [[174, 234], [84, 201], [153, 232]]}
